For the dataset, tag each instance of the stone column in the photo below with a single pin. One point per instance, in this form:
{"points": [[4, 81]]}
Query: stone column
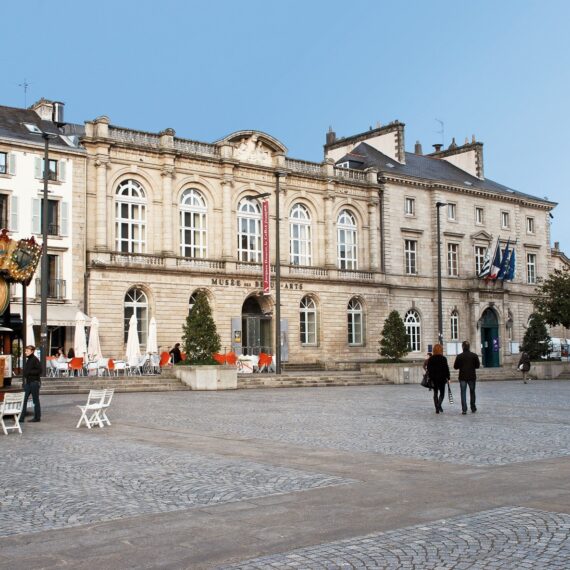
{"points": [[101, 234], [227, 188], [330, 242], [373, 237], [167, 222]]}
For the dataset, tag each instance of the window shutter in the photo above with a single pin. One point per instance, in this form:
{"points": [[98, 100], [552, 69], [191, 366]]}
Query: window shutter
{"points": [[62, 167], [38, 167], [36, 218], [64, 219], [11, 163], [14, 213]]}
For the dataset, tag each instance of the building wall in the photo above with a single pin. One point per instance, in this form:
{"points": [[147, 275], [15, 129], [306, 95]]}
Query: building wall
{"points": [[247, 164]]}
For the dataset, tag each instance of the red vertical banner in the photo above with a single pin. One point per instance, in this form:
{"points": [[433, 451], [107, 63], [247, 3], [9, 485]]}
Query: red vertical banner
{"points": [[265, 232]]}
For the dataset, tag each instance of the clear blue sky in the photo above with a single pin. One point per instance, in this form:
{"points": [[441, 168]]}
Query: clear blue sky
{"points": [[496, 69]]}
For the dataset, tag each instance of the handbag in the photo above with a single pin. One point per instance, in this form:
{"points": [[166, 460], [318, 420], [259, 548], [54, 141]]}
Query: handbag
{"points": [[426, 383], [449, 394]]}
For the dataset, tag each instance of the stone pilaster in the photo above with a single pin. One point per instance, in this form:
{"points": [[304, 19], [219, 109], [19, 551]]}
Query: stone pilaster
{"points": [[166, 231], [227, 233], [373, 234], [330, 241], [101, 235]]}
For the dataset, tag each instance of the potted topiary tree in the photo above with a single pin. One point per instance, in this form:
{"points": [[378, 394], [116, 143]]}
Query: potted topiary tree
{"points": [[200, 340]]}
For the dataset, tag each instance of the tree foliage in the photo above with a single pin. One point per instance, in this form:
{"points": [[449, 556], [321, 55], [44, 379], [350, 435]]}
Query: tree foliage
{"points": [[552, 299], [394, 342], [536, 341], [200, 337]]}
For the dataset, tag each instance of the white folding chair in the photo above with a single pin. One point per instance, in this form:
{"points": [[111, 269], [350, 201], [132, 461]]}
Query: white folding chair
{"points": [[106, 404], [103, 367], [91, 411], [120, 366], [11, 407]]}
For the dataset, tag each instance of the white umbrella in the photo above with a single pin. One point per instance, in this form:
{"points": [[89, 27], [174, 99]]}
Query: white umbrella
{"points": [[133, 348], [80, 341], [30, 337], [94, 348], [151, 342]]}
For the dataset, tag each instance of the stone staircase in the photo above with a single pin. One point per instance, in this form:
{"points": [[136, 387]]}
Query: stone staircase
{"points": [[164, 382], [308, 379]]}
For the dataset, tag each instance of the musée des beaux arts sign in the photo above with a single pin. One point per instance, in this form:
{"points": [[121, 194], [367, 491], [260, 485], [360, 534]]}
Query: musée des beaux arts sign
{"points": [[256, 284]]}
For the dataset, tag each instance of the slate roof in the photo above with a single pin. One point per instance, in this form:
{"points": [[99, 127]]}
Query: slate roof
{"points": [[426, 168], [12, 126]]}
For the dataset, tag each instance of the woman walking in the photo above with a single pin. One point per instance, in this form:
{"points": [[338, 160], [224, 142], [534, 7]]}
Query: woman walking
{"points": [[524, 365], [438, 370]]}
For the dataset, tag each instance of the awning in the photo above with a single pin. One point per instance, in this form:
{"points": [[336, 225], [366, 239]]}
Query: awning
{"points": [[57, 315]]}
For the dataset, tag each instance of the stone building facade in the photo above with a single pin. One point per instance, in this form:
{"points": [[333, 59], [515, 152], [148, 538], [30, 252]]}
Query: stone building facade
{"points": [[167, 217], [21, 197]]}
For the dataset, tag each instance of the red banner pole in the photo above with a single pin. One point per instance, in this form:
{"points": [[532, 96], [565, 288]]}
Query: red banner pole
{"points": [[265, 231]]}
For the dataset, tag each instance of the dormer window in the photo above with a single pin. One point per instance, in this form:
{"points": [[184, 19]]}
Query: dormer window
{"points": [[345, 164]]}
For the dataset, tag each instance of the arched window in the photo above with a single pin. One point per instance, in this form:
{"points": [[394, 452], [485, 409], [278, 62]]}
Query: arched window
{"points": [[308, 321], [130, 217], [249, 231], [355, 318], [192, 300], [412, 323], [300, 235], [347, 241], [136, 303], [454, 325], [193, 224]]}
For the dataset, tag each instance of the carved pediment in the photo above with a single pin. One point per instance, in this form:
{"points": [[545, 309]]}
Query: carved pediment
{"points": [[482, 236], [255, 147]]}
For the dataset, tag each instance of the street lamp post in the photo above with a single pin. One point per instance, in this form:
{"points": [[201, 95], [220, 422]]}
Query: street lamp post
{"points": [[278, 175], [438, 205]]}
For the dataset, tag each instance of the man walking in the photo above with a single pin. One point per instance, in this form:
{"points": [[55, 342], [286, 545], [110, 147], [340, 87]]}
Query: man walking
{"points": [[467, 362], [31, 375]]}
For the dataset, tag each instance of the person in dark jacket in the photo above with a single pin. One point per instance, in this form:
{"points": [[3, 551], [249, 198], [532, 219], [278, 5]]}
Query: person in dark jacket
{"points": [[31, 377], [524, 365], [176, 354], [467, 363], [438, 371]]}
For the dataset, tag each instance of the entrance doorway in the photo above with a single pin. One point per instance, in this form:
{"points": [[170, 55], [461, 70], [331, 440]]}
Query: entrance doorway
{"points": [[490, 339], [256, 328]]}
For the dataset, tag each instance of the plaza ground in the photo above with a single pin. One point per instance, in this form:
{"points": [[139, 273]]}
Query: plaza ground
{"points": [[347, 477]]}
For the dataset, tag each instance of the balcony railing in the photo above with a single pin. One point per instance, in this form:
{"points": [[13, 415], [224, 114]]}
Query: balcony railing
{"points": [[136, 259], [200, 264], [53, 229], [56, 288], [350, 174]]}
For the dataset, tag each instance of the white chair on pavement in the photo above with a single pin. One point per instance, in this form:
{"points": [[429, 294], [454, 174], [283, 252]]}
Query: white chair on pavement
{"points": [[11, 407], [106, 404], [91, 411]]}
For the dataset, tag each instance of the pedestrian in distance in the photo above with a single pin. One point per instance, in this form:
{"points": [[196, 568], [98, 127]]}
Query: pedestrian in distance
{"points": [[524, 365], [176, 354], [31, 378], [438, 371], [467, 363]]}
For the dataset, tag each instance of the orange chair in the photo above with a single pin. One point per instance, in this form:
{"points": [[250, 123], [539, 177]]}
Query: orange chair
{"points": [[111, 366], [183, 356], [231, 358], [265, 361], [219, 358], [76, 365], [164, 359]]}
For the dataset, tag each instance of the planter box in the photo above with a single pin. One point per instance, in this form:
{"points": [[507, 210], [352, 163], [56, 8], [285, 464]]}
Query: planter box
{"points": [[208, 377], [400, 373]]}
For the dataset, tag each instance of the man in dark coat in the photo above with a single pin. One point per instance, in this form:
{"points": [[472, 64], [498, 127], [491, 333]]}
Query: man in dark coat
{"points": [[467, 363], [176, 354], [31, 375]]}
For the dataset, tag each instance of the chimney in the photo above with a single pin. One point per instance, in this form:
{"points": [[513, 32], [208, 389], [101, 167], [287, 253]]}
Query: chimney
{"points": [[453, 144], [418, 148], [57, 113], [437, 147], [331, 136], [556, 245]]}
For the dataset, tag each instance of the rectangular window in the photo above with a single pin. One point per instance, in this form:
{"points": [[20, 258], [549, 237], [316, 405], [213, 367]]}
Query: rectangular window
{"points": [[531, 268], [479, 216], [410, 253], [505, 221], [479, 258], [530, 225], [452, 259], [452, 212], [3, 163], [410, 207], [4, 211], [52, 169], [52, 218]]}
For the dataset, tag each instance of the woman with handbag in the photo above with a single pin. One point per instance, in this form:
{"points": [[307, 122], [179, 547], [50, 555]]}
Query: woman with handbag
{"points": [[524, 365], [438, 370]]}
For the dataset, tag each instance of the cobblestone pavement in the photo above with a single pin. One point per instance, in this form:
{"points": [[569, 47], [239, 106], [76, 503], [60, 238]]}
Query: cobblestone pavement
{"points": [[514, 422], [505, 538], [79, 478]]}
